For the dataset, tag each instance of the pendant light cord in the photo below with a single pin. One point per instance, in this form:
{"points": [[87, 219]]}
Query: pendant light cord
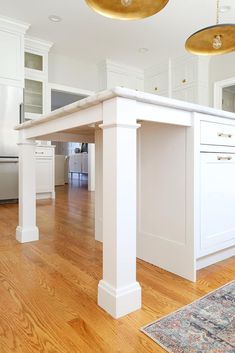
{"points": [[217, 12]]}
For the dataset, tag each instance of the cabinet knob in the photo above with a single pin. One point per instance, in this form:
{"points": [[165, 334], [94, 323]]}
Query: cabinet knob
{"points": [[184, 80], [156, 89]]}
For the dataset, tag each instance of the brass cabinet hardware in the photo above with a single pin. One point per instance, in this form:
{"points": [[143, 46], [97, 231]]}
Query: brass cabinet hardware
{"points": [[226, 158], [156, 88], [184, 80], [221, 134]]}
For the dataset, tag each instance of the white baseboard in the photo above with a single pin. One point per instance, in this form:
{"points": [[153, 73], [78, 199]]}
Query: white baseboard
{"points": [[119, 302], [26, 235], [215, 257]]}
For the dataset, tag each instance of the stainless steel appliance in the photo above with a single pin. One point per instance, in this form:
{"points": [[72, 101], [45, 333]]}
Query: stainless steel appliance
{"points": [[11, 99]]}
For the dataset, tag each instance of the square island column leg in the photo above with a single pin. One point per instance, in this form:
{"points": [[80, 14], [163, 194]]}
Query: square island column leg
{"points": [[27, 230], [119, 293]]}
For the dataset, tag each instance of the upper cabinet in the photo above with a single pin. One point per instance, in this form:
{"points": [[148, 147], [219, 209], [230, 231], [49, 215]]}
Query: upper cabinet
{"points": [[12, 51], [157, 79], [36, 77], [190, 77], [184, 78], [112, 74]]}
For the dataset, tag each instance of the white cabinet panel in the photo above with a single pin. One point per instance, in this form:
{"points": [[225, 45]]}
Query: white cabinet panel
{"points": [[85, 163], [187, 94], [44, 175], [158, 84], [184, 73], [217, 202], [11, 58]]}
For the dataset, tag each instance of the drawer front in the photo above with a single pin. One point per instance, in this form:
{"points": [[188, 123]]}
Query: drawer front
{"points": [[43, 152], [217, 134]]}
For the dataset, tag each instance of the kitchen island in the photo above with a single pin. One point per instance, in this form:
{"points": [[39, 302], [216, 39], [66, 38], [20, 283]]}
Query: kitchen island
{"points": [[165, 191]]}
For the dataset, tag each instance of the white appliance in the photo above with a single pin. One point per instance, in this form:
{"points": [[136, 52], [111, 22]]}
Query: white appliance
{"points": [[11, 114]]}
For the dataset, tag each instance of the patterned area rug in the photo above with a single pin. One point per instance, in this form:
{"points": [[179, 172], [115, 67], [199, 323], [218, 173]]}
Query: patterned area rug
{"points": [[205, 326]]}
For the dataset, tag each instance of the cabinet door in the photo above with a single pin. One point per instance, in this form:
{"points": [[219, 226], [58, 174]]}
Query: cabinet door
{"points": [[85, 163], [44, 175], [33, 98], [186, 94], [11, 58], [217, 202], [184, 73], [158, 83]]}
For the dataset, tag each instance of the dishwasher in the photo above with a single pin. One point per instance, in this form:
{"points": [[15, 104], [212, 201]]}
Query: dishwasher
{"points": [[8, 179]]}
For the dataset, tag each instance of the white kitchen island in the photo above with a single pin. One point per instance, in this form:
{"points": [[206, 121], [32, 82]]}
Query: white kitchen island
{"points": [[165, 183]]}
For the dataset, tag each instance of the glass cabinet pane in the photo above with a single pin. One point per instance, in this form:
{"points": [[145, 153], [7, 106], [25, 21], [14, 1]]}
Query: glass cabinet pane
{"points": [[33, 96], [33, 61]]}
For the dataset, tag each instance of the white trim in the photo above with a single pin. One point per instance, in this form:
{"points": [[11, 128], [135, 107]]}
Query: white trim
{"points": [[40, 45], [218, 90], [63, 88], [10, 24]]}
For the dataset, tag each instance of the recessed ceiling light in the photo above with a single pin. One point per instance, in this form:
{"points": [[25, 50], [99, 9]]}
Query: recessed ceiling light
{"points": [[55, 18], [224, 9], [143, 50]]}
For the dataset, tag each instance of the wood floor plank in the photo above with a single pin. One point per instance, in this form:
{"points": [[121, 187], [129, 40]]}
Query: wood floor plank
{"points": [[48, 289]]}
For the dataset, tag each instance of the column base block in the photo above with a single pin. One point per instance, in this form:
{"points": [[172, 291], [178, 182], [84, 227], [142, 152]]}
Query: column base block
{"points": [[119, 302], [26, 235]]}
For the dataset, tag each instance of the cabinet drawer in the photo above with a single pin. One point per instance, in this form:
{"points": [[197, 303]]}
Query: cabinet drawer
{"points": [[43, 152], [217, 134]]}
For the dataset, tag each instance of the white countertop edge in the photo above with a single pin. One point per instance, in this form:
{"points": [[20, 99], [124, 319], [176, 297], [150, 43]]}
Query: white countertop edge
{"points": [[129, 94]]}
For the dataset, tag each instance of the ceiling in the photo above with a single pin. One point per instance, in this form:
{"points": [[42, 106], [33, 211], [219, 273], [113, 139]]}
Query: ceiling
{"points": [[87, 36]]}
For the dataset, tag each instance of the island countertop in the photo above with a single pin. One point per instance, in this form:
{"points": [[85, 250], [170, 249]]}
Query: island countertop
{"points": [[139, 97]]}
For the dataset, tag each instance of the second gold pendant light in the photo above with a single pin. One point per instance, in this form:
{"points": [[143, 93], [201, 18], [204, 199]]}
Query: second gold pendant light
{"points": [[127, 9]]}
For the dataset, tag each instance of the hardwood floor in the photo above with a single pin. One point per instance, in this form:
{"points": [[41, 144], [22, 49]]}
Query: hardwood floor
{"points": [[48, 289]]}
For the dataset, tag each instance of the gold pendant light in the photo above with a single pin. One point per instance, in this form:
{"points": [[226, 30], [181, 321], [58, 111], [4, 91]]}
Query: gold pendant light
{"points": [[127, 9], [214, 40]]}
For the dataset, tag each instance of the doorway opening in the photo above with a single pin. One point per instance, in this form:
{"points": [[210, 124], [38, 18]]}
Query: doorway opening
{"points": [[71, 158]]}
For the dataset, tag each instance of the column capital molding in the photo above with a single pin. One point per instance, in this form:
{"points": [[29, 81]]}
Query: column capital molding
{"points": [[121, 125]]}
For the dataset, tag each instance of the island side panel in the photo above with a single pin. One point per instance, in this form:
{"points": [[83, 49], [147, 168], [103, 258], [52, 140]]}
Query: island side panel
{"points": [[166, 198]]}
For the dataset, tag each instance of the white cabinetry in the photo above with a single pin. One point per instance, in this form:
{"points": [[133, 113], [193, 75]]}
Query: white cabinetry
{"points": [[12, 52], [36, 77], [45, 179], [184, 78], [190, 77], [157, 80], [78, 163], [216, 208], [112, 74], [217, 202]]}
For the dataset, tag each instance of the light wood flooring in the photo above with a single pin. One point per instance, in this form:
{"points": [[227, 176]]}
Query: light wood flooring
{"points": [[48, 289]]}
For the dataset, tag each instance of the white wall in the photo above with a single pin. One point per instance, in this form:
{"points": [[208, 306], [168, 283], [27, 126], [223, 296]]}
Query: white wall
{"points": [[68, 71], [221, 67]]}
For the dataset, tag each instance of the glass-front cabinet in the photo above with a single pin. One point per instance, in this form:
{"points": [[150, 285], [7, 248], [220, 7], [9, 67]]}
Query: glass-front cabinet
{"points": [[33, 61], [36, 77], [33, 98]]}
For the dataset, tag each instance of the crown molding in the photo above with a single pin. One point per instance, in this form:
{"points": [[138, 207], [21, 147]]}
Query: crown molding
{"points": [[12, 25]]}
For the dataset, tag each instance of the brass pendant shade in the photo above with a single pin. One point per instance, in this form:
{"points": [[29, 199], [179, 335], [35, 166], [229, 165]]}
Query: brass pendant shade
{"points": [[127, 9], [214, 40]]}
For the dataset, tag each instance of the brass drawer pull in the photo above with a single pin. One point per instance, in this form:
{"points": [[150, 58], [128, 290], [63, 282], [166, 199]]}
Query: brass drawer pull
{"points": [[39, 152], [221, 134], [184, 80], [228, 158]]}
